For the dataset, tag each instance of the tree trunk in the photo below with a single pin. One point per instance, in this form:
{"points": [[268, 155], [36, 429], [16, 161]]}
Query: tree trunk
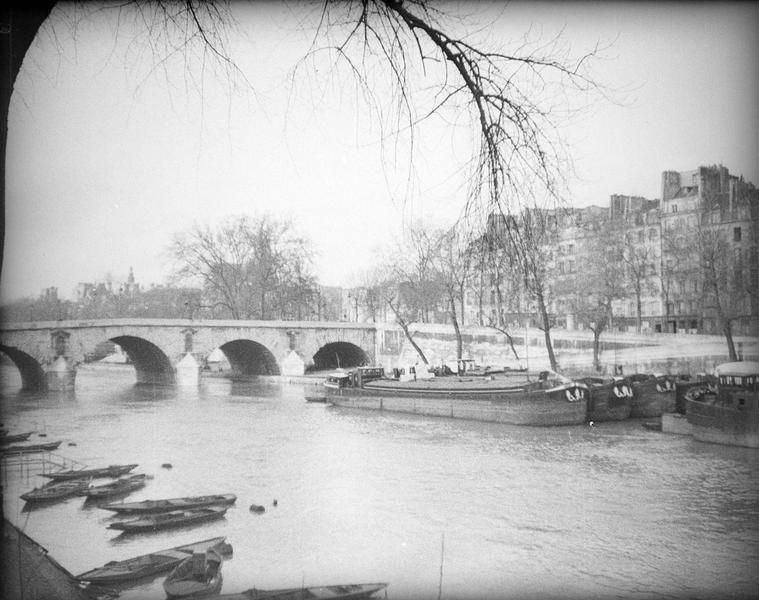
{"points": [[727, 329], [638, 312], [509, 339], [597, 349], [547, 332], [456, 329], [480, 318], [402, 322], [23, 21]]}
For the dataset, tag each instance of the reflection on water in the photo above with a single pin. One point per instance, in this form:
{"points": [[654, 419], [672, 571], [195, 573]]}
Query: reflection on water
{"points": [[610, 511]]}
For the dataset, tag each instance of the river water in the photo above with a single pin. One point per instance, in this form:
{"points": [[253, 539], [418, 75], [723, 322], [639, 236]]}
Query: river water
{"points": [[432, 506]]}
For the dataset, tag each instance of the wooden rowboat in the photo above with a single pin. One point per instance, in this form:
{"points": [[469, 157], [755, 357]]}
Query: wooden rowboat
{"points": [[28, 448], [9, 438], [110, 471], [197, 575], [56, 490], [146, 565], [166, 520], [147, 507], [120, 486], [351, 591]]}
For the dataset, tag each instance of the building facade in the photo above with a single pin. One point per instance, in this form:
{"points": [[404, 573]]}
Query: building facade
{"points": [[688, 260]]}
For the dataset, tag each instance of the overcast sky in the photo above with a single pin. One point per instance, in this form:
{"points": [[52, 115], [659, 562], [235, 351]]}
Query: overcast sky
{"points": [[108, 159]]}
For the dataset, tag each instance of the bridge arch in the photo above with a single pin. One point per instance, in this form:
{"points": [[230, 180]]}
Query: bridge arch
{"points": [[150, 362], [248, 358], [339, 354], [32, 374]]}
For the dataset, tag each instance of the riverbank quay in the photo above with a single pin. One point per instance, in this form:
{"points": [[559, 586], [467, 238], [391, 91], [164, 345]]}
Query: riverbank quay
{"points": [[30, 573]]}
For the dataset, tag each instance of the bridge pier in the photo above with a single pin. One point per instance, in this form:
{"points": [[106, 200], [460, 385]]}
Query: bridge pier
{"points": [[188, 371], [61, 374]]}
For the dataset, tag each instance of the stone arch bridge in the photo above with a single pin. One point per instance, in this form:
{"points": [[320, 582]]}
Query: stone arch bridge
{"points": [[173, 351]]}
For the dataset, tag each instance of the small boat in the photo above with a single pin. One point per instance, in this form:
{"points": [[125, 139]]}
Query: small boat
{"points": [[110, 471], [119, 571], [120, 486], [317, 399], [29, 448], [197, 575], [166, 520], [610, 398], [9, 438], [351, 591], [652, 425], [56, 490], [146, 507]]}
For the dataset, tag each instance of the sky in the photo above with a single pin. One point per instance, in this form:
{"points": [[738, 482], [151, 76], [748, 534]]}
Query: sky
{"points": [[111, 153]]}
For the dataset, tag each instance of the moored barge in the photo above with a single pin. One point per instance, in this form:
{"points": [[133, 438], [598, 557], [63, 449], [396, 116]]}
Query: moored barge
{"points": [[729, 415], [652, 395], [551, 399], [610, 399]]}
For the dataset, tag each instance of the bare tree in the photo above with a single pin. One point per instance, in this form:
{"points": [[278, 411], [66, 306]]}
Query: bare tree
{"points": [[452, 263], [386, 282], [638, 260], [493, 272], [724, 286], [529, 239], [592, 292], [512, 97], [244, 264]]}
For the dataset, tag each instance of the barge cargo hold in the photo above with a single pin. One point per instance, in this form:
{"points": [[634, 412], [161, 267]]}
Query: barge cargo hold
{"points": [[549, 400]]}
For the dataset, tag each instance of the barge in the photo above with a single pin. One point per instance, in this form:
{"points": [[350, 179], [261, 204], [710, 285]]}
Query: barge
{"points": [[550, 399], [610, 399], [652, 395], [729, 415]]}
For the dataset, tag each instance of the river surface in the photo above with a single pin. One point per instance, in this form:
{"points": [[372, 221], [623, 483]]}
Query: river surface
{"points": [[432, 506]]}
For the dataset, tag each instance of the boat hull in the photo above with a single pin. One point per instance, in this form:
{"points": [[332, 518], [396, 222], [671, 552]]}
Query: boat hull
{"points": [[30, 448], [354, 591], [651, 398], [184, 582], [118, 488], [170, 520], [147, 565], [55, 491], [478, 403], [112, 471], [723, 425], [153, 507], [609, 401]]}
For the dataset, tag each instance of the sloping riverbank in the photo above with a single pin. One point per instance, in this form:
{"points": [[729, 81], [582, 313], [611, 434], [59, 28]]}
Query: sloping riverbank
{"points": [[29, 573]]}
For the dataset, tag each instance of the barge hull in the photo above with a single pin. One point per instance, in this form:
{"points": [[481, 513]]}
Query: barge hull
{"points": [[539, 412]]}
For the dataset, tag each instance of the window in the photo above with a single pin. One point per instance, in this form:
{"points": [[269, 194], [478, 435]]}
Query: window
{"points": [[571, 266], [652, 233], [736, 234], [640, 235], [674, 208]]}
